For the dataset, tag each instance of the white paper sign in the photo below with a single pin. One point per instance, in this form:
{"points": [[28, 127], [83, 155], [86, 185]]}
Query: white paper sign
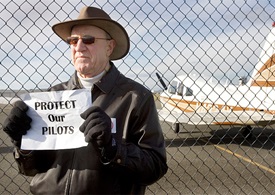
{"points": [[56, 119]]}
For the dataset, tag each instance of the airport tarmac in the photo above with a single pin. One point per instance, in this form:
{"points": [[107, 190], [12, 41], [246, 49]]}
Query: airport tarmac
{"points": [[213, 160], [201, 160]]}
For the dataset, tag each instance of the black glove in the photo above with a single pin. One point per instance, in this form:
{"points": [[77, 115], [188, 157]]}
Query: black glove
{"points": [[97, 130], [18, 122], [96, 127]]}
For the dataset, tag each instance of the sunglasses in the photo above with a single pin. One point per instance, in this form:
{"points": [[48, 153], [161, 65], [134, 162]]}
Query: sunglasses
{"points": [[85, 39]]}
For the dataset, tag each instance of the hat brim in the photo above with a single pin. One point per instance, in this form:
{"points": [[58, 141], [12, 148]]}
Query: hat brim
{"points": [[114, 29]]}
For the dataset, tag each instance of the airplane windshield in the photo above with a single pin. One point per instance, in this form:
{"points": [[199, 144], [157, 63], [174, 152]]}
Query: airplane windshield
{"points": [[173, 87], [180, 89]]}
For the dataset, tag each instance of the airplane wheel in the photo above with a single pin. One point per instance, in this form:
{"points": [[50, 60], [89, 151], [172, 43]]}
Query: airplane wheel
{"points": [[176, 127], [247, 132]]}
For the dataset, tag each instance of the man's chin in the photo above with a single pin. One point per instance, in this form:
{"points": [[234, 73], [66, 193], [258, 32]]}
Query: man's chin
{"points": [[84, 74]]}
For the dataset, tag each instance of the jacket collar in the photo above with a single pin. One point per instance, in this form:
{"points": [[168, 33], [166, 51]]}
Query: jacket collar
{"points": [[73, 82], [106, 84]]}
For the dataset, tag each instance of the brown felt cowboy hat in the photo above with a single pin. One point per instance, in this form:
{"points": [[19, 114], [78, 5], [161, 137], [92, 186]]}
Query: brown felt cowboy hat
{"points": [[99, 18]]}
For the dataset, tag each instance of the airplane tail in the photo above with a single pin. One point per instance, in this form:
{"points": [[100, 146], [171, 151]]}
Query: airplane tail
{"points": [[264, 73]]}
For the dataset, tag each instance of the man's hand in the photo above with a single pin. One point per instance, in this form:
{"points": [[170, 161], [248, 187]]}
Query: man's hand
{"points": [[18, 122], [96, 127]]}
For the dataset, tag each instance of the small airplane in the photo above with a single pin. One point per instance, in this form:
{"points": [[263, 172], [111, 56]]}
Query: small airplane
{"points": [[203, 102]]}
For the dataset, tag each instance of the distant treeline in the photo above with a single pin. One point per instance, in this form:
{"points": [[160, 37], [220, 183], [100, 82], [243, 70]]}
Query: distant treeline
{"points": [[17, 93]]}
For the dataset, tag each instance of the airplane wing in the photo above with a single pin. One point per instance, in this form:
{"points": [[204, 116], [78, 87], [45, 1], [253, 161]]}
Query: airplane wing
{"points": [[218, 118]]}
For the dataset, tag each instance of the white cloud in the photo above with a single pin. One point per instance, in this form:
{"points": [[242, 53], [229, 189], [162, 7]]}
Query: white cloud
{"points": [[195, 36]]}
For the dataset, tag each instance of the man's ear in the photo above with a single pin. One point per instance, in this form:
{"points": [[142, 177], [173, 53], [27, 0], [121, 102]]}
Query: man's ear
{"points": [[111, 46]]}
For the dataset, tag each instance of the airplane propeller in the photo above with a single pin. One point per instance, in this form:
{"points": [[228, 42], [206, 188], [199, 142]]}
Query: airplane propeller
{"points": [[161, 81]]}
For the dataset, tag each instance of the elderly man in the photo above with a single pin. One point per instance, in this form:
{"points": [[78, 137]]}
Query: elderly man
{"points": [[124, 162]]}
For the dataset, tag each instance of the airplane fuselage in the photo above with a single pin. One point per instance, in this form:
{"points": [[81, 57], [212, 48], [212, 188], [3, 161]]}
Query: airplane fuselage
{"points": [[212, 103]]}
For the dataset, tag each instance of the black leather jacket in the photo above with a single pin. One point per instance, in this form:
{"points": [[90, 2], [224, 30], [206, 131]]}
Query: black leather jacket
{"points": [[140, 158]]}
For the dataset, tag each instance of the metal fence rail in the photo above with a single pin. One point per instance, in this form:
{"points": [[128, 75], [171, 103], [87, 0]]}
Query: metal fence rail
{"points": [[219, 41]]}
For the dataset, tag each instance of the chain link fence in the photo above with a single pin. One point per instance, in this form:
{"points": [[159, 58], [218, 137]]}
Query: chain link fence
{"points": [[219, 41]]}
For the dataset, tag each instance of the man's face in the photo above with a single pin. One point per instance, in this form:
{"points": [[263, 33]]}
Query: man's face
{"points": [[91, 59]]}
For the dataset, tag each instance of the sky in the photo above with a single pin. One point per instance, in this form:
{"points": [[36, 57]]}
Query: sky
{"points": [[215, 38]]}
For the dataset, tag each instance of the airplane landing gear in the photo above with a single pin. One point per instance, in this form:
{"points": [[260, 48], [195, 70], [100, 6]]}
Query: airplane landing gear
{"points": [[247, 131], [176, 127]]}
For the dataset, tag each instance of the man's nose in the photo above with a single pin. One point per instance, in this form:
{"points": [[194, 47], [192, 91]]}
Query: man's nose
{"points": [[80, 45]]}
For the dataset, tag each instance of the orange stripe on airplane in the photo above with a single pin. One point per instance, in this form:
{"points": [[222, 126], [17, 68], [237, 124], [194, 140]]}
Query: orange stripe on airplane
{"points": [[192, 106], [265, 83]]}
